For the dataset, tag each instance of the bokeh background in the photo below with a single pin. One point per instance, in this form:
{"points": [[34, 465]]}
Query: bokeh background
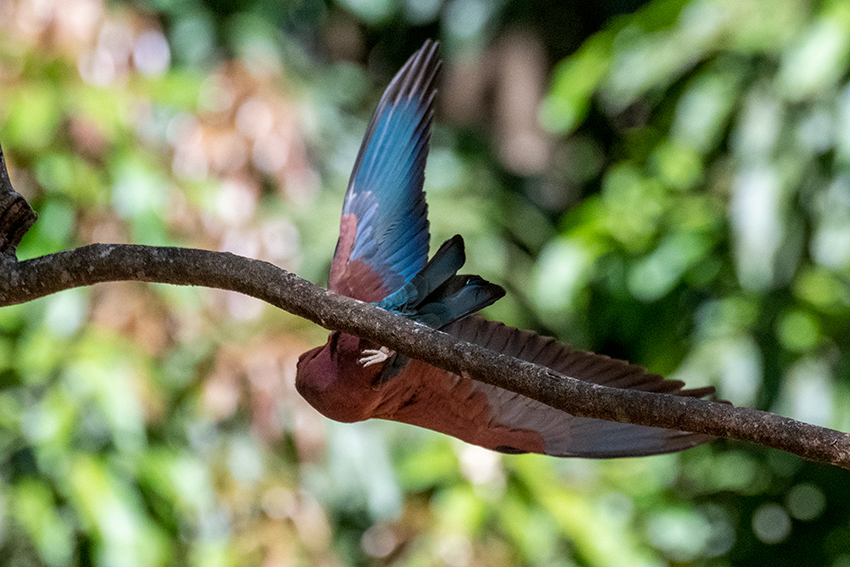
{"points": [[665, 181]]}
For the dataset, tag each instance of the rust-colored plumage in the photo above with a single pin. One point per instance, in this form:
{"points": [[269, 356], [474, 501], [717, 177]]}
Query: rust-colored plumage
{"points": [[381, 257]]}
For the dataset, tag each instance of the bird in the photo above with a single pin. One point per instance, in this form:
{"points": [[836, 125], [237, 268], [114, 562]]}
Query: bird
{"points": [[381, 257]]}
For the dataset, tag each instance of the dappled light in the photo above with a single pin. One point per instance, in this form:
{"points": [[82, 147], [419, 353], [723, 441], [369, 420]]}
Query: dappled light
{"points": [[667, 184]]}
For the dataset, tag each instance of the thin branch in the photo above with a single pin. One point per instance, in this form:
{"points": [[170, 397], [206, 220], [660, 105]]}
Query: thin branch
{"points": [[25, 281], [16, 215]]}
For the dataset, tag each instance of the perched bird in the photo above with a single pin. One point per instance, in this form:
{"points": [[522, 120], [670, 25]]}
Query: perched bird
{"points": [[381, 258]]}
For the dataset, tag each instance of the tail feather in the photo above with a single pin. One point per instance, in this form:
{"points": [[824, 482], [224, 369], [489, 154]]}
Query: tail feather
{"points": [[439, 269], [436, 296], [476, 294]]}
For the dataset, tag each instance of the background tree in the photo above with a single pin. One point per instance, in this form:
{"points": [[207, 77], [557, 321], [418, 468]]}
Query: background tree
{"points": [[672, 193]]}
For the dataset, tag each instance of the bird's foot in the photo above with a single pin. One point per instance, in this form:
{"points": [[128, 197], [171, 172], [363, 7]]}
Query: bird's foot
{"points": [[375, 356]]}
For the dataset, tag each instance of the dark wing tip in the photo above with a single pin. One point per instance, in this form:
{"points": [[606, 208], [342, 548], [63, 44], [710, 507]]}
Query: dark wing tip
{"points": [[415, 82], [416, 79], [418, 74]]}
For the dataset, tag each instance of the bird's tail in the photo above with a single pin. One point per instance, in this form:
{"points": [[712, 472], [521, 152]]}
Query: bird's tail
{"points": [[437, 296]]}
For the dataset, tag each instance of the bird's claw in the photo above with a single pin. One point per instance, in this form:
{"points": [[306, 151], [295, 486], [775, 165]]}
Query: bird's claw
{"points": [[375, 356]]}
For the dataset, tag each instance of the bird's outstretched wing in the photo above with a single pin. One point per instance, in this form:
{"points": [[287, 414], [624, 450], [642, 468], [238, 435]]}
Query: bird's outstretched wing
{"points": [[381, 255], [384, 237], [504, 421]]}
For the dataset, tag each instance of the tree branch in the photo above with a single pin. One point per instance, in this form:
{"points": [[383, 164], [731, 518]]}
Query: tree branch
{"points": [[97, 263], [16, 215]]}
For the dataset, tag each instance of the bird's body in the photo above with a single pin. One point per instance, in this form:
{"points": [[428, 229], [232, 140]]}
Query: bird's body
{"points": [[420, 394], [381, 258]]}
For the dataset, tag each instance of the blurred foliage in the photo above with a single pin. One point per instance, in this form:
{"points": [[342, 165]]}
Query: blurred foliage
{"points": [[665, 182]]}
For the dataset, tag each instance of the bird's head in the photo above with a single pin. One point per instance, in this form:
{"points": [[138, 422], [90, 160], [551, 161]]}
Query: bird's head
{"points": [[332, 380]]}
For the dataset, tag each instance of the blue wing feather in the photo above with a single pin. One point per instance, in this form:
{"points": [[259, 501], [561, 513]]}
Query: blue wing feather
{"points": [[385, 196]]}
